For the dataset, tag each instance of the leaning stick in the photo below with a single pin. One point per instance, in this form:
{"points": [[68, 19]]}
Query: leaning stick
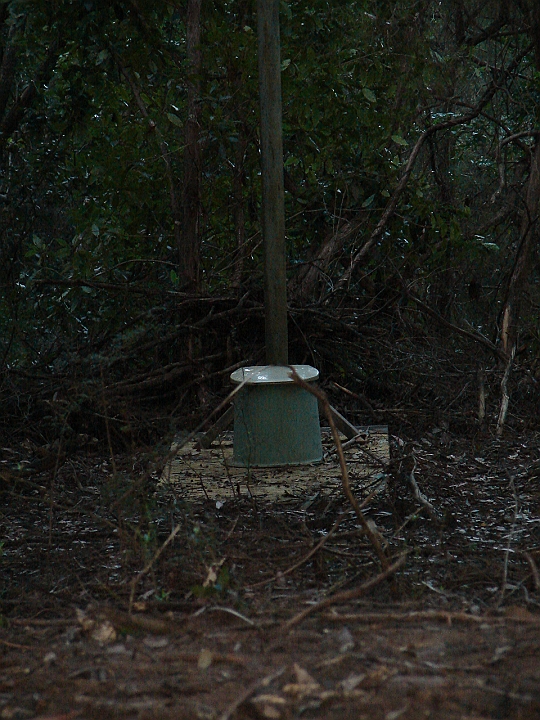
{"points": [[422, 499], [372, 535], [146, 569], [304, 560], [505, 399]]}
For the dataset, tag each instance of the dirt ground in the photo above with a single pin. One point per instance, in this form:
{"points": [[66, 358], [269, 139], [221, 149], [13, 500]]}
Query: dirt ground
{"points": [[122, 597]]}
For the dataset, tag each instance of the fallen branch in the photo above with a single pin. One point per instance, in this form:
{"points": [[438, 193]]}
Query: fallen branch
{"points": [[421, 615], [131, 623], [347, 595], [304, 560], [16, 645], [248, 692]]}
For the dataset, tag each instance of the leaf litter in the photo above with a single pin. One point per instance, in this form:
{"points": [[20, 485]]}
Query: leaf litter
{"points": [[453, 634]]}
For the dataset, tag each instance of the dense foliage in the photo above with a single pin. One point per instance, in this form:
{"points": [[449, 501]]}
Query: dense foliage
{"points": [[411, 140]]}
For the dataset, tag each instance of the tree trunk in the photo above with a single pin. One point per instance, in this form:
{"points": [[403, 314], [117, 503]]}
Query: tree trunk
{"points": [[304, 285], [7, 75], [14, 116], [239, 215], [188, 250], [529, 234], [522, 263]]}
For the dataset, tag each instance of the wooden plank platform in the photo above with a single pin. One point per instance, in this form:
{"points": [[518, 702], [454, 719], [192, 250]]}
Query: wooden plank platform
{"points": [[198, 474]]}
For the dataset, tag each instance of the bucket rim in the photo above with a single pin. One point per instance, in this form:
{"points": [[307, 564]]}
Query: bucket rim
{"points": [[273, 374]]}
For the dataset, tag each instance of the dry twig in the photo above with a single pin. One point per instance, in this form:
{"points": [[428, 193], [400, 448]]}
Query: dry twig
{"points": [[16, 645], [202, 424], [304, 560], [505, 398], [413, 616], [422, 499], [481, 395], [510, 536], [534, 570], [366, 527], [347, 595], [149, 565]]}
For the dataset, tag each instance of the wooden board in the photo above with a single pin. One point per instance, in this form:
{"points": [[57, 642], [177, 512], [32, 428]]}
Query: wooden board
{"points": [[199, 474]]}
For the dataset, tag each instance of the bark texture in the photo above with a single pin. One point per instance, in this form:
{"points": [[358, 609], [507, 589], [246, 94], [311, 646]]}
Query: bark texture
{"points": [[189, 240]]}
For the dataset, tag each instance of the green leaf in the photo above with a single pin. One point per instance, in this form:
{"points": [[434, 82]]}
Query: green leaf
{"points": [[493, 247], [285, 64], [399, 140], [285, 9], [368, 202], [175, 120], [369, 95]]}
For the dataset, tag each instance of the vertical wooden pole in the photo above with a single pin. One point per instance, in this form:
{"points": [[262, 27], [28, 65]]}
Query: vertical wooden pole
{"points": [[187, 234], [273, 210]]}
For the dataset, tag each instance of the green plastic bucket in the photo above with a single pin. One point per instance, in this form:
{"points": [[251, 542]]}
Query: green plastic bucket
{"points": [[276, 422]]}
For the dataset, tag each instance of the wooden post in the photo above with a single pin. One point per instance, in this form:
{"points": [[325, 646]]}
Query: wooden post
{"points": [[187, 234], [273, 206]]}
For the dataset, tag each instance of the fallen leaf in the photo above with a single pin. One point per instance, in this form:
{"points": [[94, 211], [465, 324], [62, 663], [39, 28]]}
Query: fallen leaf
{"points": [[154, 642], [395, 714], [346, 640], [103, 633], [273, 699], [62, 716], [270, 712], [269, 706], [304, 685], [303, 677], [351, 682], [378, 676], [205, 659], [213, 572], [49, 658], [516, 612], [87, 623]]}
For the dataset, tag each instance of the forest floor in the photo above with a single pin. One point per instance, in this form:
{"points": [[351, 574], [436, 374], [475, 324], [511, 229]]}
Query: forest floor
{"points": [[106, 613]]}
